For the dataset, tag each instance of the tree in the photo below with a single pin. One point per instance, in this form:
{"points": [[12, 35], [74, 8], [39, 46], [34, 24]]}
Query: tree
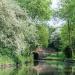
{"points": [[38, 9], [16, 29], [67, 13], [55, 41], [43, 33], [51, 30], [64, 36]]}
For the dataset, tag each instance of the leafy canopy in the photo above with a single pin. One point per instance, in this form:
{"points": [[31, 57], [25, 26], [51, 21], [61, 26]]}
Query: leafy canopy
{"points": [[39, 9], [43, 33]]}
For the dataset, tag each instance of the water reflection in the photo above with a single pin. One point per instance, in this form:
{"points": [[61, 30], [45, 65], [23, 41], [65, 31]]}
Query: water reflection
{"points": [[45, 69], [68, 68], [42, 68], [57, 68]]}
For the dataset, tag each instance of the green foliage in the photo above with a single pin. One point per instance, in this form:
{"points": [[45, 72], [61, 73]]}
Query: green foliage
{"points": [[5, 60], [51, 30], [55, 42], [43, 33], [19, 34], [17, 31], [68, 9], [59, 55], [67, 12], [37, 8], [64, 36]]}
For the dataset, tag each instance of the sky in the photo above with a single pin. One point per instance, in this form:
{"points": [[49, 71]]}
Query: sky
{"points": [[55, 4], [55, 22]]}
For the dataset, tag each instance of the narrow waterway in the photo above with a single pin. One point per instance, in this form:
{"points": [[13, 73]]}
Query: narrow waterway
{"points": [[41, 68]]}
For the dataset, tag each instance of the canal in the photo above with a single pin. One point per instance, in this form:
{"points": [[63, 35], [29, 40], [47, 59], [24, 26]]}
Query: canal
{"points": [[41, 68]]}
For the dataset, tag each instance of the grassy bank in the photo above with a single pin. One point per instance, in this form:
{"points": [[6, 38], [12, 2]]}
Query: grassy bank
{"points": [[6, 60], [26, 59], [55, 55]]}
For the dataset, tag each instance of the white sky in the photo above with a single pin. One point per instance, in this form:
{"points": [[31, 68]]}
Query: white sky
{"points": [[55, 22], [55, 4]]}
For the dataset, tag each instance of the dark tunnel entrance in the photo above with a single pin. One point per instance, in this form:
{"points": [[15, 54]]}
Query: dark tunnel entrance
{"points": [[35, 56]]}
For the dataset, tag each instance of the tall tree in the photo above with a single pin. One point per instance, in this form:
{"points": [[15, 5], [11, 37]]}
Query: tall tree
{"points": [[16, 28], [38, 9], [43, 33], [67, 13]]}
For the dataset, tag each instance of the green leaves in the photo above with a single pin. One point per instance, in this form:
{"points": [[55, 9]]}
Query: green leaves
{"points": [[37, 8], [65, 36], [16, 28], [43, 33], [67, 11]]}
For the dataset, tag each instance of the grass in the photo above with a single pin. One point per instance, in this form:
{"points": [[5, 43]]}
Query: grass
{"points": [[25, 59], [55, 55], [6, 60]]}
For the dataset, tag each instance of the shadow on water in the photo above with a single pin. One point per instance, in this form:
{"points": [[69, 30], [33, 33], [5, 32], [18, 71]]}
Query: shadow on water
{"points": [[54, 68], [69, 69], [42, 67]]}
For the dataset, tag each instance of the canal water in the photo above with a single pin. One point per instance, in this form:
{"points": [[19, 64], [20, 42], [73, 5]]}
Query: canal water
{"points": [[41, 68]]}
